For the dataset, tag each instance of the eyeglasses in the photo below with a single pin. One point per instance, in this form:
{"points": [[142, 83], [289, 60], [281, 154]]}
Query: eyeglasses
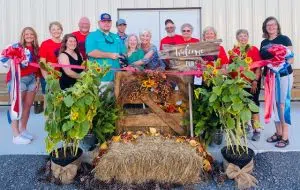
{"points": [[186, 30], [273, 24], [172, 27]]}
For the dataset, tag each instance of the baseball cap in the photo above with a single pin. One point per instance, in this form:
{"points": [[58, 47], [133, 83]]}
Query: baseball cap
{"points": [[105, 16], [121, 21], [169, 21]]}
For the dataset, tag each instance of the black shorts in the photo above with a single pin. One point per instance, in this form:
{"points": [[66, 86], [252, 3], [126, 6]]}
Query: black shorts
{"points": [[255, 96]]}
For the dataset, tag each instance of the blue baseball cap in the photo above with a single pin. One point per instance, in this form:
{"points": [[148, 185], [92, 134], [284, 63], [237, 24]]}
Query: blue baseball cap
{"points": [[121, 21], [105, 16]]}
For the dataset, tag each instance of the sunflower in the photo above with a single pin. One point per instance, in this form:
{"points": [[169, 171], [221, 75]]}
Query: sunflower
{"points": [[215, 71], [148, 83], [248, 60], [98, 69], [74, 115]]}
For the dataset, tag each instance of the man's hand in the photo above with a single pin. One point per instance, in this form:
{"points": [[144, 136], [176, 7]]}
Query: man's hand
{"points": [[115, 56]]}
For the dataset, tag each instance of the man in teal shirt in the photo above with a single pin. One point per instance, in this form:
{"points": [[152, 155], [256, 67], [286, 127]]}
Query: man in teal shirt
{"points": [[105, 47]]}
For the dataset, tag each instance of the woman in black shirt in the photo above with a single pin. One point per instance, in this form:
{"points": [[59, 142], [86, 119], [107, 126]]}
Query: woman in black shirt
{"points": [[272, 34], [69, 55]]}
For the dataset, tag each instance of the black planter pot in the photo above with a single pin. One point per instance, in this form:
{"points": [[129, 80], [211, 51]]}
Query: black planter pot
{"points": [[239, 159], [218, 137], [65, 161], [89, 142]]}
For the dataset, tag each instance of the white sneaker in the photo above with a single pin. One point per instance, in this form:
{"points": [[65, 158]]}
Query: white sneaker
{"points": [[27, 135], [21, 140]]}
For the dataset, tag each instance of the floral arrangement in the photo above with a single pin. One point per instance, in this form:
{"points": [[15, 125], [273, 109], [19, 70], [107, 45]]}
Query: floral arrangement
{"points": [[155, 84], [70, 112], [222, 103], [144, 83]]}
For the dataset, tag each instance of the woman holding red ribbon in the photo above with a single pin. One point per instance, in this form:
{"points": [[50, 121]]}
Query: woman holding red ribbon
{"points": [[23, 83], [280, 58], [249, 51]]}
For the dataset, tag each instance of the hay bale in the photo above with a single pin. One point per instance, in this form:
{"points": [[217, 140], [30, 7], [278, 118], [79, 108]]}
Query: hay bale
{"points": [[151, 159]]}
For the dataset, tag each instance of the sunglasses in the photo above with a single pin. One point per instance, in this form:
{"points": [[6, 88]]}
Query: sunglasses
{"points": [[186, 30]]}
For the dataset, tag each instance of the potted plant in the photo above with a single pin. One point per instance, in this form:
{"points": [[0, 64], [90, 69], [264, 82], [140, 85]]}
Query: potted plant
{"points": [[106, 116], [70, 113], [226, 105], [104, 121]]}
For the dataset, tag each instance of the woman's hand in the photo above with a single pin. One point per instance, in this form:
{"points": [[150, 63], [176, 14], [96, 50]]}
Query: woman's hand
{"points": [[254, 87], [37, 85]]}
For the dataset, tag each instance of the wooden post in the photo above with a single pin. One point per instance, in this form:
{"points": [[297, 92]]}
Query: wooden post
{"points": [[191, 110]]}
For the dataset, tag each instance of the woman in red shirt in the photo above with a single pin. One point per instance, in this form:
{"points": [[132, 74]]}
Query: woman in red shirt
{"points": [[49, 49], [242, 37], [210, 34], [29, 83], [187, 31]]}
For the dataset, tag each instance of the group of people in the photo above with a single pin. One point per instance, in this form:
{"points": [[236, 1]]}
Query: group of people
{"points": [[119, 50]]}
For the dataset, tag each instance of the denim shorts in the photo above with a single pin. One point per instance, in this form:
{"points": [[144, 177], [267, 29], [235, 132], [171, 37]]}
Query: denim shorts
{"points": [[43, 85], [27, 83]]}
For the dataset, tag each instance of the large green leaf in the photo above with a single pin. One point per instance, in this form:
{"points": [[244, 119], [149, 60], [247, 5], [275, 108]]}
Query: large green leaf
{"points": [[88, 100], [237, 106], [213, 97], [249, 74], [253, 107], [245, 115], [217, 90], [67, 126], [230, 122], [226, 99], [68, 101]]}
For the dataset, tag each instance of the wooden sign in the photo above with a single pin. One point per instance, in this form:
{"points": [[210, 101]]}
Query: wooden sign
{"points": [[183, 57]]}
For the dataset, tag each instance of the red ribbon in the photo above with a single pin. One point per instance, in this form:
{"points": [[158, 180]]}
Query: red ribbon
{"points": [[279, 53], [128, 68]]}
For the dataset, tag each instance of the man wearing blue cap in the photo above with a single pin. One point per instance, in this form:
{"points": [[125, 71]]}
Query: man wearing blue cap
{"points": [[121, 26], [105, 47]]}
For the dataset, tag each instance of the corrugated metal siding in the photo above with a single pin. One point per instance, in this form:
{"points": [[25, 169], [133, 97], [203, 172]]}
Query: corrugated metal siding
{"points": [[226, 15]]}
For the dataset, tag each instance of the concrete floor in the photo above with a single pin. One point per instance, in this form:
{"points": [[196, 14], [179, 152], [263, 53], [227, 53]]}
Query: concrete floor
{"points": [[37, 147]]}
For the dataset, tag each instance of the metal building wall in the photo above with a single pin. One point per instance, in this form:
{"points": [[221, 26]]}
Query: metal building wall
{"points": [[225, 15]]}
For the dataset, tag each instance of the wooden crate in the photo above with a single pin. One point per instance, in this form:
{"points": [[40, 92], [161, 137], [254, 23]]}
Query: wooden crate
{"points": [[296, 85], [165, 122]]}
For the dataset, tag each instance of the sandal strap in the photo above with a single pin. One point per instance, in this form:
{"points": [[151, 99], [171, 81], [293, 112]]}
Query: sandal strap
{"points": [[283, 143]]}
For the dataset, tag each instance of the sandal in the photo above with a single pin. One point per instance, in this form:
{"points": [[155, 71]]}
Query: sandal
{"points": [[274, 138], [282, 143]]}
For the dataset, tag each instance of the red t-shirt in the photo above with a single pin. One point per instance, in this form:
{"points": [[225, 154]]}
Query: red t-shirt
{"points": [[192, 40], [252, 52], [222, 56], [176, 39], [50, 50], [29, 69], [81, 43]]}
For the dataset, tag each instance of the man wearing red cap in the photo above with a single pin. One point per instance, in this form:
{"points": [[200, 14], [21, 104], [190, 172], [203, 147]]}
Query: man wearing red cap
{"points": [[84, 29]]}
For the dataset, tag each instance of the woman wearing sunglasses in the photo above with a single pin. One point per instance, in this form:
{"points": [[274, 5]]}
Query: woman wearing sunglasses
{"points": [[187, 31]]}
